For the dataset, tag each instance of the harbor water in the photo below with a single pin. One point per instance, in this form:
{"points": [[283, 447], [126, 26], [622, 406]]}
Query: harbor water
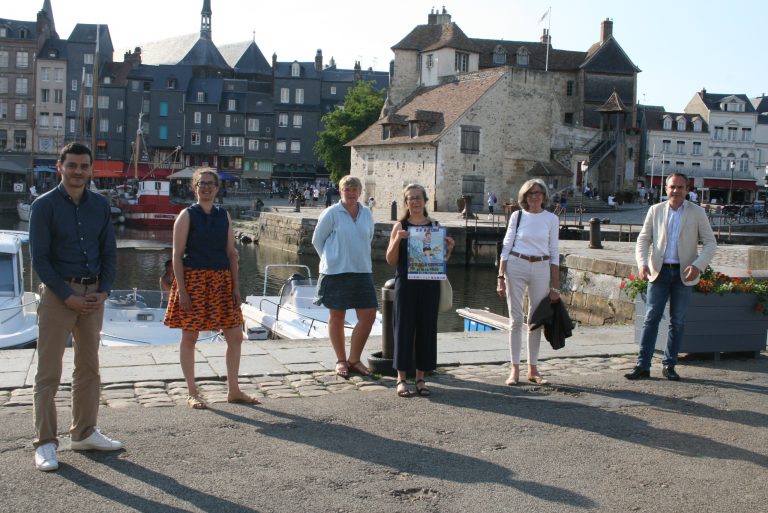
{"points": [[143, 252]]}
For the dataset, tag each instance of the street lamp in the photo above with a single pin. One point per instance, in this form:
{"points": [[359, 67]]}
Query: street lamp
{"points": [[730, 189], [584, 169]]}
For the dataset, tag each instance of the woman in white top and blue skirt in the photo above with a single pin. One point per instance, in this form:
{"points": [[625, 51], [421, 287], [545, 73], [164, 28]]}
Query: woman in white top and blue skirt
{"points": [[529, 260], [343, 238]]}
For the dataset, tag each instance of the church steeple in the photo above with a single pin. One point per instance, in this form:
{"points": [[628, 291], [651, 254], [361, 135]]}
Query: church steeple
{"points": [[205, 20]]}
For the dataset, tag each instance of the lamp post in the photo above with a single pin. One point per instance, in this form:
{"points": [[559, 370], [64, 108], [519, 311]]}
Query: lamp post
{"points": [[584, 169], [732, 165]]}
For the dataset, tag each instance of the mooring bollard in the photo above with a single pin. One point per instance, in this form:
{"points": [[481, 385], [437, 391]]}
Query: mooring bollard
{"points": [[594, 234], [393, 211], [296, 206], [381, 362]]}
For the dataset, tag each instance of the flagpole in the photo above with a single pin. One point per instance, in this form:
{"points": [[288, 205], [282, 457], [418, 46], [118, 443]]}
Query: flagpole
{"points": [[549, 37]]}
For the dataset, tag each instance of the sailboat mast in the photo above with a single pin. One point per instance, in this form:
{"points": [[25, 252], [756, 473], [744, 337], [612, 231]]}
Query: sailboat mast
{"points": [[95, 91], [136, 149]]}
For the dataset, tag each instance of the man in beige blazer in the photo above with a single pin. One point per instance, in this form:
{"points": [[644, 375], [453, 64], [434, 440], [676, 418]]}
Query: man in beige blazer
{"points": [[667, 254]]}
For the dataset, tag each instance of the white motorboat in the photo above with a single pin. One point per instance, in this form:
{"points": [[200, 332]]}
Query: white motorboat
{"points": [[135, 318], [292, 314], [18, 309]]}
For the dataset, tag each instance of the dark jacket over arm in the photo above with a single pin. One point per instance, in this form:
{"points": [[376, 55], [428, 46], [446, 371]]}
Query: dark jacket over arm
{"points": [[557, 323]]}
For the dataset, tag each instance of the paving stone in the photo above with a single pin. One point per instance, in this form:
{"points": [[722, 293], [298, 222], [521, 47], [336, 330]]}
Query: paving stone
{"points": [[313, 393], [282, 395], [108, 396], [118, 386], [371, 388], [17, 402], [120, 403], [271, 383], [158, 404], [150, 384]]}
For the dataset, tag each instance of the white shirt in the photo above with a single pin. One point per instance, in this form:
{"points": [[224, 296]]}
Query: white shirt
{"points": [[343, 243], [673, 233], [538, 235]]}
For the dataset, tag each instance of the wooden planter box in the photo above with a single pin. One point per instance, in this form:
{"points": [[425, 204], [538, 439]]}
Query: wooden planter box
{"points": [[714, 324]]}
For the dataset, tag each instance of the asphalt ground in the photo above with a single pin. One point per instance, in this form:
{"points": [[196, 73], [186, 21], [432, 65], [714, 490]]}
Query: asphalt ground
{"points": [[591, 441]]}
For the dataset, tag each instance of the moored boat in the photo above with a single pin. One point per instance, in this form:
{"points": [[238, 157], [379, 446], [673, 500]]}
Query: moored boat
{"points": [[292, 314], [135, 318], [18, 309]]}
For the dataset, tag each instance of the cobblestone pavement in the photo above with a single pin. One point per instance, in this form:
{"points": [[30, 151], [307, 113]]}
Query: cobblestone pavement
{"points": [[160, 394]]}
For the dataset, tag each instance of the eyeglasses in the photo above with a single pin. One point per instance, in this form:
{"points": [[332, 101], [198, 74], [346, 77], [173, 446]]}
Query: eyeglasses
{"points": [[414, 198], [534, 193], [207, 184]]}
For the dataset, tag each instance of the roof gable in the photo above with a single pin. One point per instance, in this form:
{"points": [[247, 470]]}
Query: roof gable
{"points": [[204, 53], [433, 37], [609, 57], [253, 62]]}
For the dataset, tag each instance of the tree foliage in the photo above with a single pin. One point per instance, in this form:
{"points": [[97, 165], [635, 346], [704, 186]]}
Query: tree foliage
{"points": [[361, 108]]}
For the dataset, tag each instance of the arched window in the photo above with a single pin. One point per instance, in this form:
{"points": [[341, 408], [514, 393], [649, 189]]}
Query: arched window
{"points": [[522, 56], [717, 161], [499, 55], [295, 69], [744, 163], [667, 123]]}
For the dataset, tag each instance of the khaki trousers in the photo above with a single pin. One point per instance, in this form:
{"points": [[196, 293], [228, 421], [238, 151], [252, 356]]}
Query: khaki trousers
{"points": [[56, 322]]}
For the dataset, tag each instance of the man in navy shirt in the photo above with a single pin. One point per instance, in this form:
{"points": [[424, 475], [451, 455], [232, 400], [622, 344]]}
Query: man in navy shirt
{"points": [[73, 253]]}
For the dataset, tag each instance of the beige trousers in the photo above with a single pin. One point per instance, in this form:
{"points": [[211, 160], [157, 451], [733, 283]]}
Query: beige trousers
{"points": [[56, 322]]}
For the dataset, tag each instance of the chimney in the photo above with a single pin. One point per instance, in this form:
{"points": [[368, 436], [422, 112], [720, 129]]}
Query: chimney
{"points": [[274, 63], [606, 30], [546, 38], [442, 18], [319, 60], [133, 58], [357, 71]]}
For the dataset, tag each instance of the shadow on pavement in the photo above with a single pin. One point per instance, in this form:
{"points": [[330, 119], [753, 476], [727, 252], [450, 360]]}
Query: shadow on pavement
{"points": [[368, 447], [570, 414], [168, 485]]}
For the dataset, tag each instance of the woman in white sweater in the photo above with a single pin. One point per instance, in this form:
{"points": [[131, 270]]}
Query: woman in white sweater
{"points": [[529, 260]]}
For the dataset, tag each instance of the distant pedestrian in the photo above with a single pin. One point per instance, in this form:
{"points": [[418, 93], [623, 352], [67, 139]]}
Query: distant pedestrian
{"points": [[530, 260], [371, 202], [205, 295], [491, 203], [329, 196], [74, 254], [667, 255]]}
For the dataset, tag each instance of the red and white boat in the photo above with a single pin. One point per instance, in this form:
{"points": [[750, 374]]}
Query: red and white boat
{"points": [[148, 202], [151, 204]]}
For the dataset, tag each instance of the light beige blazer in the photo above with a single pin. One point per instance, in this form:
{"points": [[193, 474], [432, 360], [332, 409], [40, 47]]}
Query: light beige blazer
{"points": [[694, 227]]}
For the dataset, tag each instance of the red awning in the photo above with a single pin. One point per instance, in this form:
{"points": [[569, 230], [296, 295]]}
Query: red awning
{"points": [[107, 169], [738, 185]]}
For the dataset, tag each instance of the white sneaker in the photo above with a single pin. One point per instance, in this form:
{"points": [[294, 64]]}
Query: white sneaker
{"points": [[45, 457], [96, 442]]}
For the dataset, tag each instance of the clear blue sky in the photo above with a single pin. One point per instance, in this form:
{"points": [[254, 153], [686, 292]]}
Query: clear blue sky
{"points": [[680, 45]]}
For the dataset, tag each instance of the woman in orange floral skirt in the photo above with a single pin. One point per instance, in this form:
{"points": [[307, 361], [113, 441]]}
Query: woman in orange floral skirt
{"points": [[205, 294]]}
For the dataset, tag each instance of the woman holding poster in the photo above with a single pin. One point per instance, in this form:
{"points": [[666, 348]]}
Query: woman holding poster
{"points": [[419, 249], [530, 260]]}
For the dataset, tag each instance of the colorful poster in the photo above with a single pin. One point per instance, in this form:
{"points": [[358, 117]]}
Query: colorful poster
{"points": [[426, 253]]}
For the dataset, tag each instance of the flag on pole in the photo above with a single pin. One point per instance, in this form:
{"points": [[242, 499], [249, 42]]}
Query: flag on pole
{"points": [[544, 16]]}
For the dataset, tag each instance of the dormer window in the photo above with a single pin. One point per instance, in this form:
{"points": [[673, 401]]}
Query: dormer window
{"points": [[295, 69], [53, 54], [681, 124], [23, 33], [499, 55], [413, 128], [107, 80], [200, 96], [3, 32], [385, 132], [522, 56], [172, 83], [667, 123], [462, 62], [697, 125], [231, 104]]}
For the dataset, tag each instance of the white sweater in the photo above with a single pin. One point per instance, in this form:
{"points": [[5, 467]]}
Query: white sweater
{"points": [[537, 235]]}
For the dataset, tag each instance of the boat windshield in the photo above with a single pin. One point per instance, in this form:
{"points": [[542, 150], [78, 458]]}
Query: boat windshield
{"points": [[6, 275], [297, 287]]}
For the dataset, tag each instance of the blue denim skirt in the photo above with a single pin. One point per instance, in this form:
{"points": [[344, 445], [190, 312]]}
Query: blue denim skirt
{"points": [[346, 291]]}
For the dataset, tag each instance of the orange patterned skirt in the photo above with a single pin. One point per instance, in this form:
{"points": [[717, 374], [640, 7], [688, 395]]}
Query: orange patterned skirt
{"points": [[213, 307]]}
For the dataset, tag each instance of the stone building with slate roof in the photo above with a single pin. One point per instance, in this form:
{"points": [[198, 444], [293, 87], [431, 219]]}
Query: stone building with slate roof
{"points": [[469, 116]]}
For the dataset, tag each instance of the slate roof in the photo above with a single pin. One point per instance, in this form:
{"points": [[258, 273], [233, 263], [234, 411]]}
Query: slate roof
{"points": [[174, 49], [118, 71], [609, 57], [213, 87], [86, 33], [443, 105], [434, 37], [380, 79], [14, 26], [559, 60], [283, 70], [204, 53], [654, 120], [760, 103], [58, 45], [159, 75], [252, 62], [713, 100]]}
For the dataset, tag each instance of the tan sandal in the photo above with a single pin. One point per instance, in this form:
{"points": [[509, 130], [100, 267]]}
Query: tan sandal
{"points": [[359, 368], [196, 402], [242, 398]]}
